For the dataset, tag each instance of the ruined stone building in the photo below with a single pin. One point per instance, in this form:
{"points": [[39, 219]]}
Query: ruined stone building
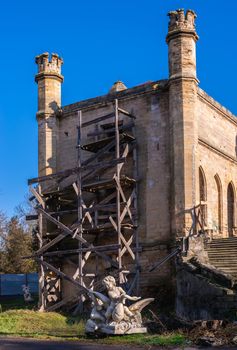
{"points": [[127, 178]]}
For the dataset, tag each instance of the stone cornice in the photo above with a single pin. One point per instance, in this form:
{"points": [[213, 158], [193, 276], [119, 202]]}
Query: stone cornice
{"points": [[217, 106], [49, 75], [216, 150], [180, 77], [147, 88], [181, 33]]}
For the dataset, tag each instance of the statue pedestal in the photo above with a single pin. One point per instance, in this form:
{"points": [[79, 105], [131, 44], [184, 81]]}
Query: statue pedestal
{"points": [[123, 328]]}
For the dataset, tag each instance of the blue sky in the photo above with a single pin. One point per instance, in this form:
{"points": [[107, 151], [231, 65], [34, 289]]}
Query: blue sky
{"points": [[101, 41]]}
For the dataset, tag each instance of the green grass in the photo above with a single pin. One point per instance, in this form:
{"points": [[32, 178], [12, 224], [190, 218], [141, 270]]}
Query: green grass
{"points": [[36, 324], [52, 325], [166, 339], [15, 303], [19, 319]]}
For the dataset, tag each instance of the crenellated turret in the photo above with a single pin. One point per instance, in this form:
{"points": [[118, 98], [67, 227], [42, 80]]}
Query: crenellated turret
{"points": [[45, 65], [181, 21], [182, 39], [49, 80]]}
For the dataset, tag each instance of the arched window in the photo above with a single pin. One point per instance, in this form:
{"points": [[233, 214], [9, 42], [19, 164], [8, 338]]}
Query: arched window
{"points": [[219, 211], [202, 195], [230, 208]]}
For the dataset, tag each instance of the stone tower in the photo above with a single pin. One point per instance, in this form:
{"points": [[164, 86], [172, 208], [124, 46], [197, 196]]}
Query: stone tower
{"points": [[183, 82], [49, 81]]}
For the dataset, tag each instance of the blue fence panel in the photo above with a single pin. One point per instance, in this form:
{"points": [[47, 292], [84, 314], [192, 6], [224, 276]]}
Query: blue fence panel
{"points": [[33, 282], [11, 284]]}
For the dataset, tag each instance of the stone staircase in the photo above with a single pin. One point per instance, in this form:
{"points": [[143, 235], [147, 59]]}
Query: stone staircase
{"points": [[222, 254]]}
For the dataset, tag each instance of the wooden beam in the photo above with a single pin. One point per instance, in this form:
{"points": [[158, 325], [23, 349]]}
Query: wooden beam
{"points": [[62, 274], [97, 120], [126, 113], [61, 303], [104, 248], [123, 196], [106, 131], [63, 227], [69, 172], [67, 231], [37, 196]]}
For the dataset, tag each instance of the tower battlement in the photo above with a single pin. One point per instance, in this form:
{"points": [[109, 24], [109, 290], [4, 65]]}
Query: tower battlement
{"points": [[179, 20], [49, 65]]}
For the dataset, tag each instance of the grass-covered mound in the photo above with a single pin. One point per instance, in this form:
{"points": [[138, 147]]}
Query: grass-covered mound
{"points": [[52, 325], [37, 324]]}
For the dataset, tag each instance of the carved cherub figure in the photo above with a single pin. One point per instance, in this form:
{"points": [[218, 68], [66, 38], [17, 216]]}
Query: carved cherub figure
{"points": [[117, 310], [110, 314]]}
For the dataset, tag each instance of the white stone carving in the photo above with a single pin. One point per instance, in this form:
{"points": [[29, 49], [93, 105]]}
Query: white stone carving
{"points": [[110, 315], [26, 293]]}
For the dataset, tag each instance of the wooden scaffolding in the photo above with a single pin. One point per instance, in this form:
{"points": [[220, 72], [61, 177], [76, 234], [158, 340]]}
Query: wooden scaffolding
{"points": [[87, 216]]}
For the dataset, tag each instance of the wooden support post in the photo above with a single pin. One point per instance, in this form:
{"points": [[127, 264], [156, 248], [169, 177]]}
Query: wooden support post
{"points": [[135, 205], [79, 205], [118, 224], [42, 289]]}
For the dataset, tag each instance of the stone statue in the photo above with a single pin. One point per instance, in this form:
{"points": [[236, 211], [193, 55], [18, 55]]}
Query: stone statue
{"points": [[26, 293], [110, 315]]}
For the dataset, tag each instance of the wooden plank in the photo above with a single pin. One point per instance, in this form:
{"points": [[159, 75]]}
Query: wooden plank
{"points": [[123, 197], [110, 130], [124, 155], [127, 246], [118, 213], [31, 217], [100, 152], [104, 207], [67, 231], [51, 243], [63, 227], [37, 196], [97, 120], [103, 248], [42, 286], [126, 113], [62, 275], [71, 299], [72, 171], [79, 272], [128, 204], [133, 284]]}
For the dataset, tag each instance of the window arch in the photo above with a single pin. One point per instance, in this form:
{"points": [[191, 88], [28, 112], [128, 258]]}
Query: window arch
{"points": [[202, 194], [219, 203], [230, 208]]}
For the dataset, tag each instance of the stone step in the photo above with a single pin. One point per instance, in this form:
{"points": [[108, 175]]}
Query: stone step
{"points": [[222, 256], [223, 253], [229, 270], [231, 258], [233, 268], [228, 244], [222, 247], [226, 239]]}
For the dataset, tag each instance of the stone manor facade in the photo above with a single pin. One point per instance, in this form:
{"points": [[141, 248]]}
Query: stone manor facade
{"points": [[186, 151]]}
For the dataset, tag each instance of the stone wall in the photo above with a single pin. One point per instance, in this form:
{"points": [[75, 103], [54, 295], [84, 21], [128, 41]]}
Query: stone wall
{"points": [[217, 157]]}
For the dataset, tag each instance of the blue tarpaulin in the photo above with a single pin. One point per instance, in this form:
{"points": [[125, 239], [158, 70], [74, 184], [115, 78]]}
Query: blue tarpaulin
{"points": [[11, 284]]}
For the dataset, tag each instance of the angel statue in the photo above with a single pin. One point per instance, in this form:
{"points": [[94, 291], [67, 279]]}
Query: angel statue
{"points": [[110, 315]]}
